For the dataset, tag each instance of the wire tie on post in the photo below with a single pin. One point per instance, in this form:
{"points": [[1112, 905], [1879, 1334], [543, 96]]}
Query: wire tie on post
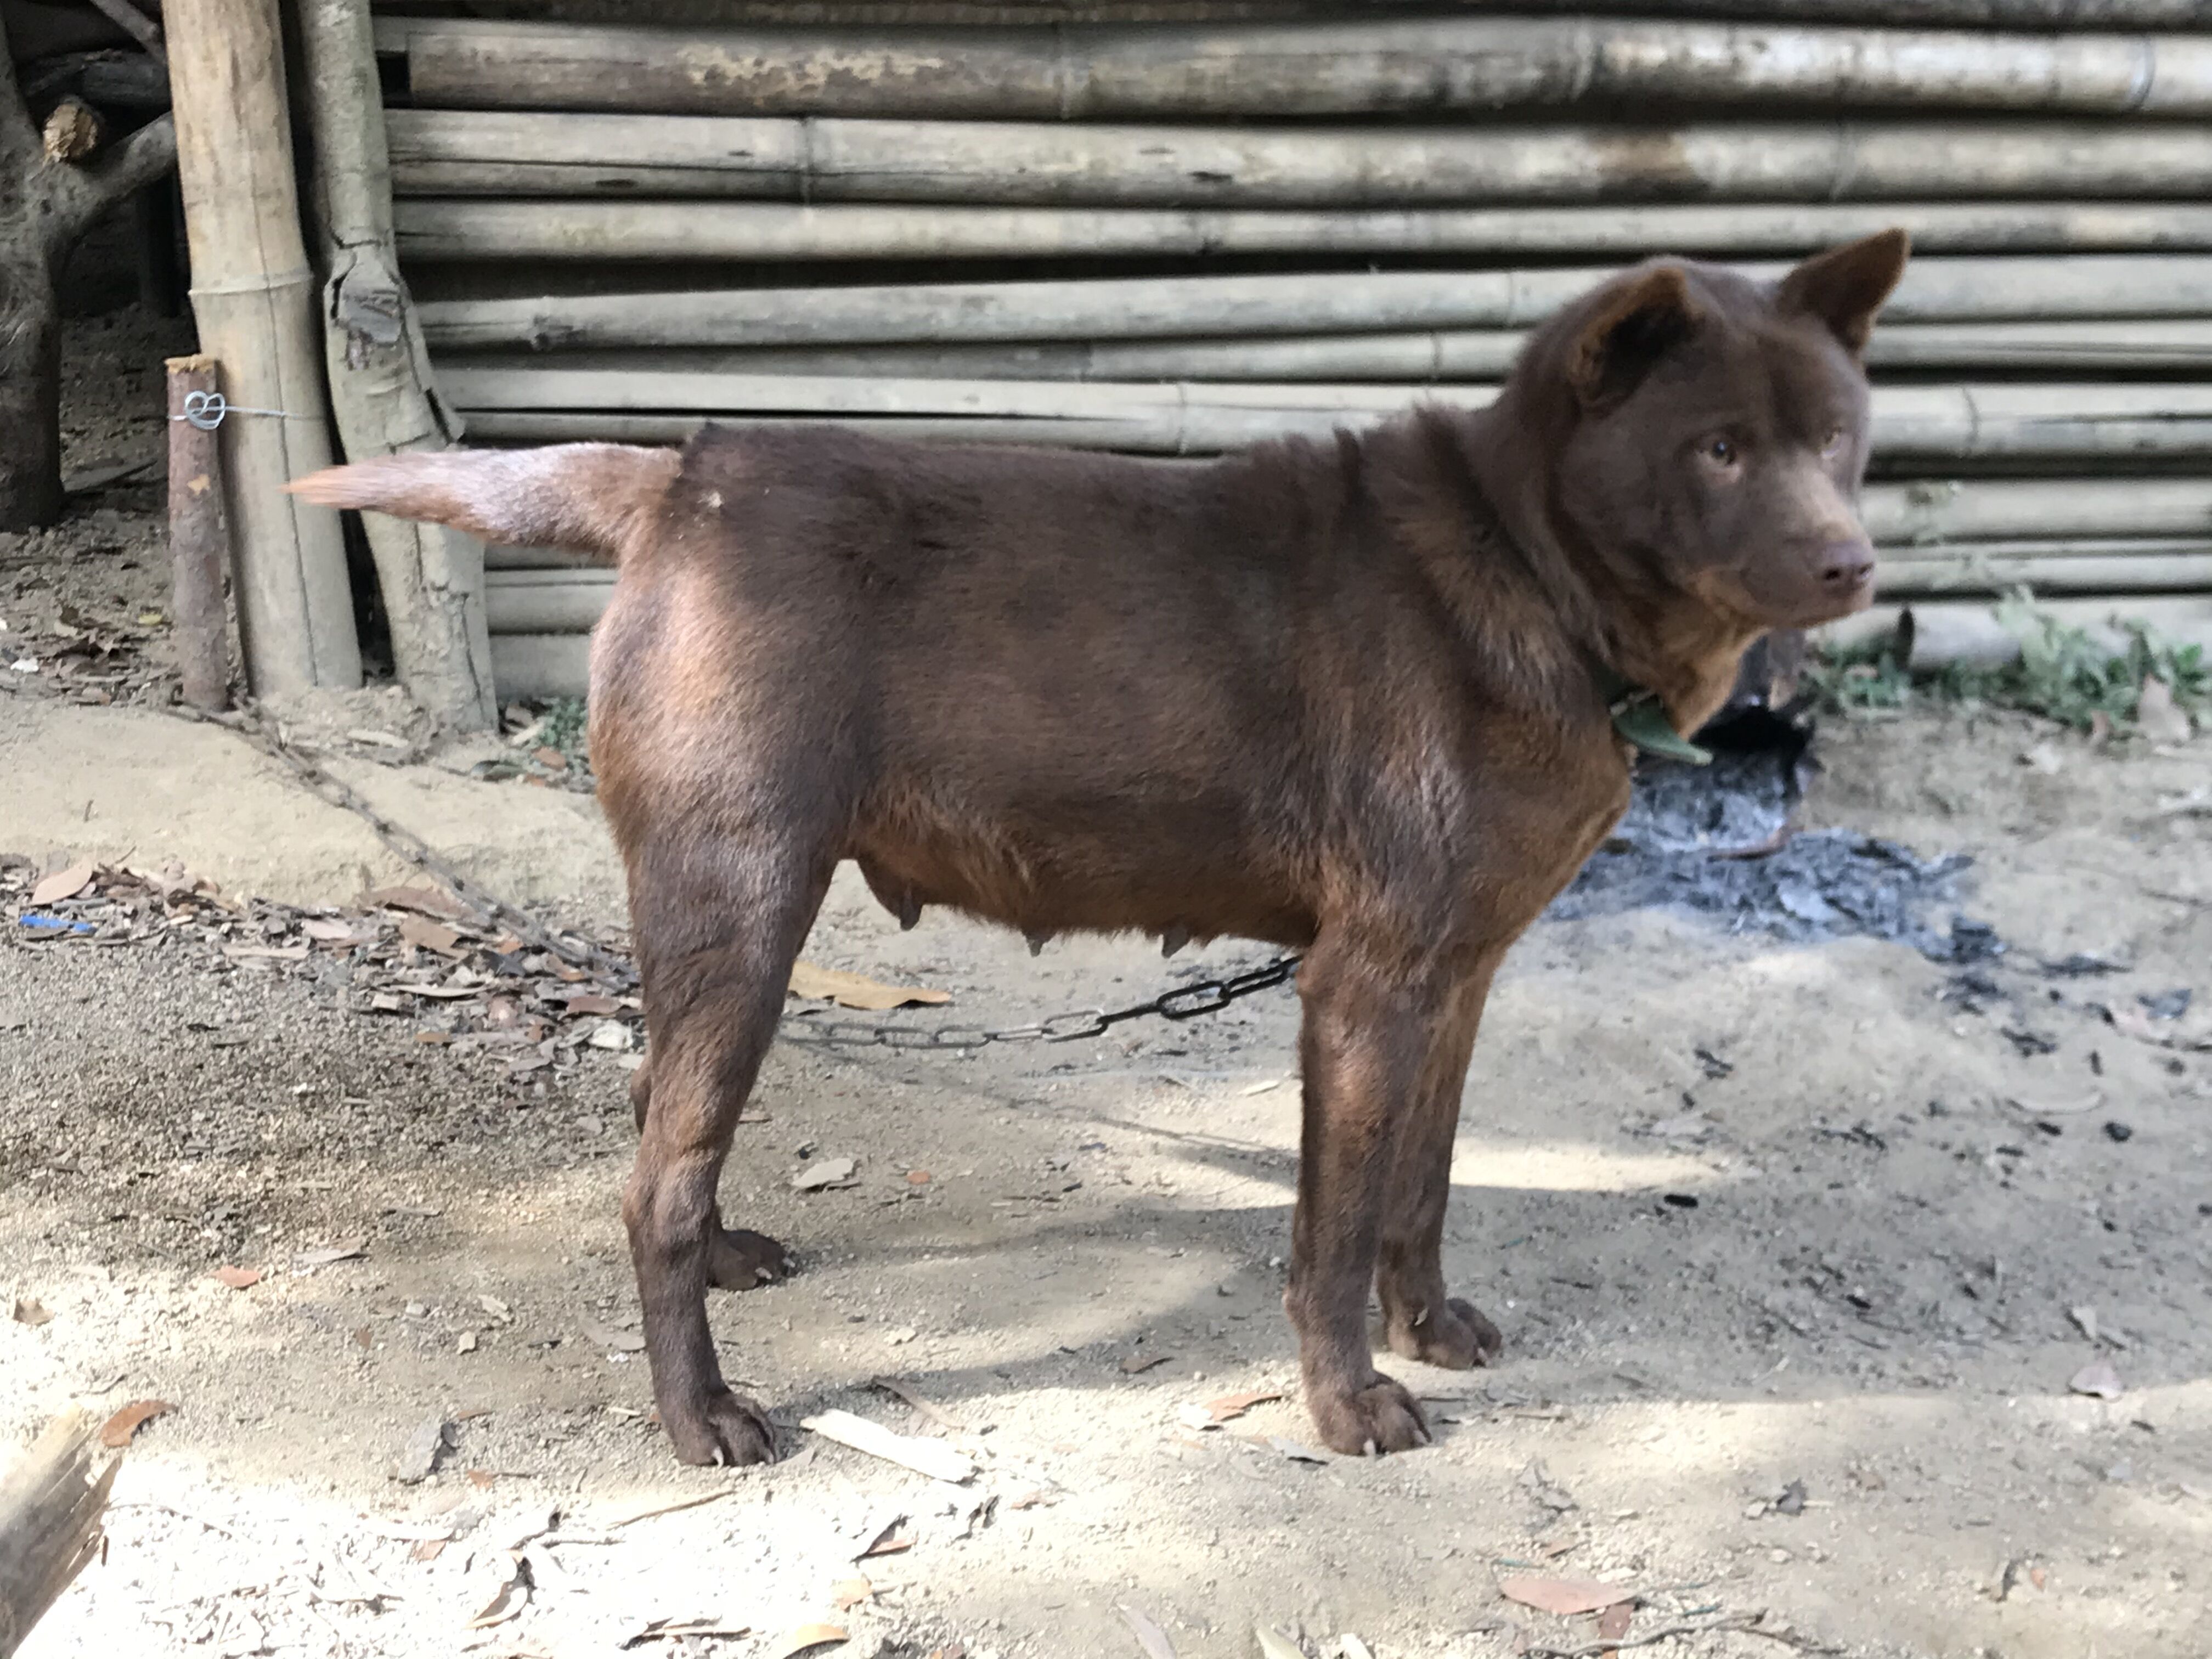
{"points": [[208, 410]]}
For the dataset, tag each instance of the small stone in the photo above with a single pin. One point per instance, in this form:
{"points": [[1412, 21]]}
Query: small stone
{"points": [[468, 1342], [2117, 1130], [416, 1310]]}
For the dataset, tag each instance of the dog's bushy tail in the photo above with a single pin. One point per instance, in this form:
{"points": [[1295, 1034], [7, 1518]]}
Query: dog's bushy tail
{"points": [[591, 498]]}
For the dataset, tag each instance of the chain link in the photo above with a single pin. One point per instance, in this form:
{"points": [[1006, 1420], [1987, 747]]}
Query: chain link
{"points": [[264, 733], [1074, 1025], [1183, 1002]]}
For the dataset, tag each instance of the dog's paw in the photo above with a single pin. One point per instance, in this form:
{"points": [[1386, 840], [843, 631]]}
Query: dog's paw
{"points": [[1380, 1417], [1456, 1336], [739, 1259], [723, 1428]]}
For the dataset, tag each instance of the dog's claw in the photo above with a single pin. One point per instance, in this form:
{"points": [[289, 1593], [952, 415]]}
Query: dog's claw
{"points": [[1380, 1417], [739, 1259], [725, 1430], [1456, 1336]]}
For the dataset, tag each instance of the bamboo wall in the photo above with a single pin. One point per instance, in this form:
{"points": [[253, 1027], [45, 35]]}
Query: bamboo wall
{"points": [[1172, 239]]}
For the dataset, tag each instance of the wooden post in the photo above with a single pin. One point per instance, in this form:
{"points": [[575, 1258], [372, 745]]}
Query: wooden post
{"points": [[50, 1508], [381, 393], [197, 541], [254, 297]]}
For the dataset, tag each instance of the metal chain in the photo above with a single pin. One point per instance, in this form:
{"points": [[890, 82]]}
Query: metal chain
{"points": [[264, 733], [1183, 1002]]}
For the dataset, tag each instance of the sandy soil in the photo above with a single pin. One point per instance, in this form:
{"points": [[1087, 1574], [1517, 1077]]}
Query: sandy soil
{"points": [[1867, 1258]]}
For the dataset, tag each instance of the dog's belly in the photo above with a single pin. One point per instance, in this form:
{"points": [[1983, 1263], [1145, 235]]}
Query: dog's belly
{"points": [[1119, 868]]}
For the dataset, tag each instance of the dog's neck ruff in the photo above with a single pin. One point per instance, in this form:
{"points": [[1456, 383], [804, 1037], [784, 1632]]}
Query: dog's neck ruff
{"points": [[1640, 717]]}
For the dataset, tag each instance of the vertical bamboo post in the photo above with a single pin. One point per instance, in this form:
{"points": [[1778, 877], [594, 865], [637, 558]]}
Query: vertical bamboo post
{"points": [[196, 539], [381, 391], [255, 301], [51, 1502]]}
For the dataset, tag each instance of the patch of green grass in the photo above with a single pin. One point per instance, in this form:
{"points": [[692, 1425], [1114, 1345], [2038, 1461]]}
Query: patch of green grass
{"points": [[2063, 673], [564, 728]]}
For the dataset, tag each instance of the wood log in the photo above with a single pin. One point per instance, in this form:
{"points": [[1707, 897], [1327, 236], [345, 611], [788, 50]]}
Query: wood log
{"points": [[431, 577], [1386, 66], [1434, 355], [2004, 420], [198, 541], [254, 298], [1935, 289], [1035, 164], [50, 1503], [1933, 512], [768, 232]]}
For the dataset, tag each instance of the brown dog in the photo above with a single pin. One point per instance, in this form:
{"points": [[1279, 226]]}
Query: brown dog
{"points": [[1357, 697]]}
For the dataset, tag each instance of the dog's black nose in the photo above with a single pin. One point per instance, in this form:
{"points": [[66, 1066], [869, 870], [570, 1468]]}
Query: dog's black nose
{"points": [[1845, 566]]}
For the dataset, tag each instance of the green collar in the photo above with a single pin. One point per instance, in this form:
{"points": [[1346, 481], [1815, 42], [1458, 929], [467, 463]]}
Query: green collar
{"points": [[1640, 717]]}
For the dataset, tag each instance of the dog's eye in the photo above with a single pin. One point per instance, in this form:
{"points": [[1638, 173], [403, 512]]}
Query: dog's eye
{"points": [[1833, 445], [1721, 452]]}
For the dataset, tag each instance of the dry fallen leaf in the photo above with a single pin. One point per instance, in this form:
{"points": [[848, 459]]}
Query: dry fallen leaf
{"points": [[654, 1506], [2099, 1379], [849, 1593], [1563, 1596], [239, 1278], [674, 1629], [856, 990], [1613, 1624], [1273, 1644], [931, 1457], [890, 1539], [606, 1336], [424, 901], [1349, 1646], [1150, 1635], [592, 1002], [1134, 1363], [431, 935], [828, 1172], [348, 1251], [29, 1310], [62, 884], [119, 1429], [1231, 1407], [512, 1596], [806, 1638]]}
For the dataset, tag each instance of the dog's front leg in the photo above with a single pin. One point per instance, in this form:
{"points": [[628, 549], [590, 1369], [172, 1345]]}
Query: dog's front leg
{"points": [[1365, 1042], [1420, 1319]]}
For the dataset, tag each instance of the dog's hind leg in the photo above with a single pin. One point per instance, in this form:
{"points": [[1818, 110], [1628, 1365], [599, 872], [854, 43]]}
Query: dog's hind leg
{"points": [[1363, 1047], [1420, 1320], [718, 928], [738, 1259]]}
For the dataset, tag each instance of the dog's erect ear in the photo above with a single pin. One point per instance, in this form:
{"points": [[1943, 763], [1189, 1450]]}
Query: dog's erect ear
{"points": [[1629, 332], [1846, 286]]}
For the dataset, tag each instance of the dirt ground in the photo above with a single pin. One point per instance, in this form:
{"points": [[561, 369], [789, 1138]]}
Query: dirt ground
{"points": [[1795, 1248]]}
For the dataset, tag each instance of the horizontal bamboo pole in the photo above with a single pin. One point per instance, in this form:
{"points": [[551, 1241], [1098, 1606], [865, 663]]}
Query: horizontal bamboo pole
{"points": [[1412, 358], [2002, 419], [2111, 567], [1966, 631], [1934, 511], [1014, 163], [556, 600], [766, 232], [1934, 289], [1386, 66], [541, 666], [544, 666]]}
